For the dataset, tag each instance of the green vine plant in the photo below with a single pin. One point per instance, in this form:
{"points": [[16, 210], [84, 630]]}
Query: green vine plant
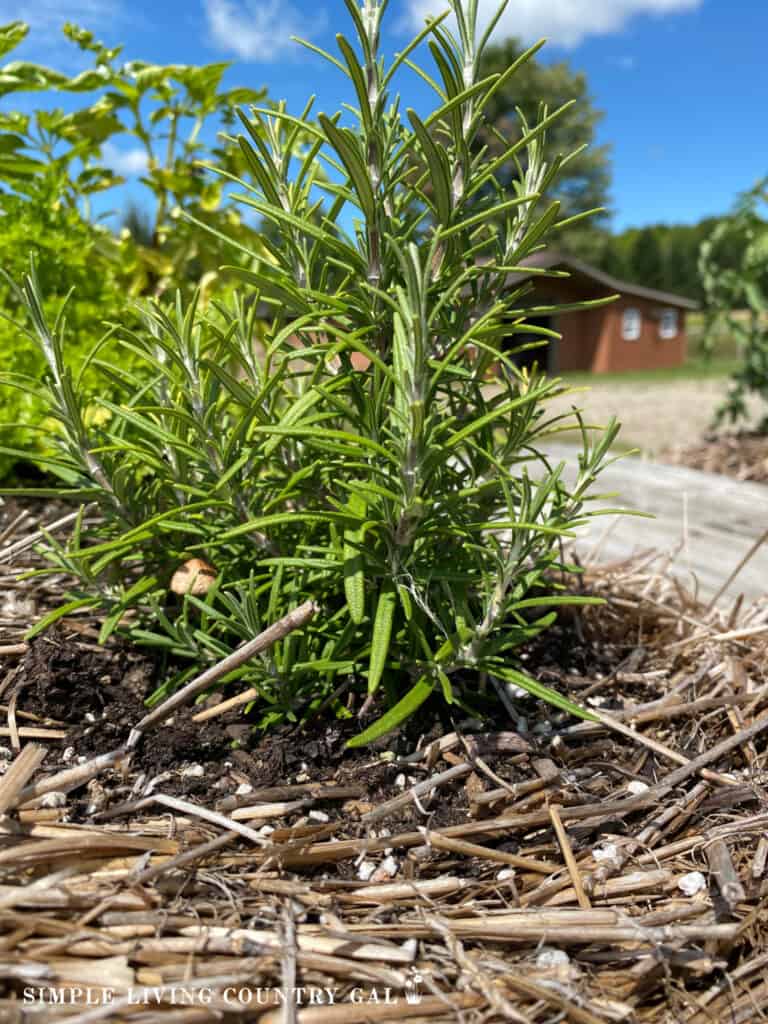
{"points": [[733, 265], [378, 451]]}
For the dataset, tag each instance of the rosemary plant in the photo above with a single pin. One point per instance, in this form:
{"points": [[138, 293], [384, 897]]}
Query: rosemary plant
{"points": [[377, 449]]}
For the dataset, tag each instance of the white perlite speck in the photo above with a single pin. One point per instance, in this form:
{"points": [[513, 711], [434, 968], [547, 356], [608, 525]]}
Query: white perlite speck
{"points": [[692, 883], [365, 869], [608, 851], [55, 799], [193, 771], [636, 787], [387, 869], [552, 958]]}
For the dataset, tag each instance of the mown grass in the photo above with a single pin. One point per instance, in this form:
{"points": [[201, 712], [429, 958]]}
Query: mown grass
{"points": [[695, 368]]}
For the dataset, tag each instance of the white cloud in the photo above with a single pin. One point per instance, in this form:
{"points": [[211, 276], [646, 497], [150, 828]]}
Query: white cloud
{"points": [[46, 43], [126, 162], [565, 22], [258, 30], [47, 15]]}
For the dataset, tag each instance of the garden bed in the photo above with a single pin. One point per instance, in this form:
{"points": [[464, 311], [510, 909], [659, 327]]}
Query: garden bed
{"points": [[743, 456], [532, 870]]}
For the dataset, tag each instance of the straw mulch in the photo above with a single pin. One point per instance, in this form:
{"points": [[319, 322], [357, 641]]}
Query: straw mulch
{"points": [[743, 456], [539, 871]]}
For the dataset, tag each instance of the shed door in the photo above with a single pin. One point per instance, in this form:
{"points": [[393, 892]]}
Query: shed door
{"points": [[544, 352]]}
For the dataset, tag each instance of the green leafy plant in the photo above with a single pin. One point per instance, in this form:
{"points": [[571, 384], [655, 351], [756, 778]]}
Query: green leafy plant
{"points": [[377, 450], [169, 112], [53, 163], [172, 113], [733, 264]]}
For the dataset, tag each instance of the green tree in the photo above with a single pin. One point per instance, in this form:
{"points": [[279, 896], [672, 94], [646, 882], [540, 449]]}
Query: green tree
{"points": [[681, 262], [646, 259], [669, 260], [734, 270], [611, 256], [534, 90]]}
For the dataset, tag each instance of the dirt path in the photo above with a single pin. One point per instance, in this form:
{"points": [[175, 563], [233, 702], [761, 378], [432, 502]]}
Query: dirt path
{"points": [[654, 416]]}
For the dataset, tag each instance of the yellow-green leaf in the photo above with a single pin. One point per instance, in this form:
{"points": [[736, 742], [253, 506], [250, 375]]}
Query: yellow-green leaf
{"points": [[382, 633], [404, 708], [354, 574]]}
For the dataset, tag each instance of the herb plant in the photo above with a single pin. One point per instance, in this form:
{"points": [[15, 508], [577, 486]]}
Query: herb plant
{"points": [[736, 296], [378, 450]]}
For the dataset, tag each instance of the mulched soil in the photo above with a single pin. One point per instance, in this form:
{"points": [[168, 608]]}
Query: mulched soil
{"points": [[532, 869], [743, 456]]}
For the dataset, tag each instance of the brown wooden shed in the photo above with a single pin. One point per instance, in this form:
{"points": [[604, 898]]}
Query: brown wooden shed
{"points": [[644, 329]]}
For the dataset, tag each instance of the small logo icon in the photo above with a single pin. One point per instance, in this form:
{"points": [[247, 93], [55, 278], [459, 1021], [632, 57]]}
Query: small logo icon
{"points": [[412, 995]]}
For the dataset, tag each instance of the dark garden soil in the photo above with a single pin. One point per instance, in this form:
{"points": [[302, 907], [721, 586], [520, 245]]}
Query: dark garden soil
{"points": [[743, 456], [527, 868]]}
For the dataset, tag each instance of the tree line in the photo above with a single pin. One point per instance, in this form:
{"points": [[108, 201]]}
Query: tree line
{"points": [[664, 256]]}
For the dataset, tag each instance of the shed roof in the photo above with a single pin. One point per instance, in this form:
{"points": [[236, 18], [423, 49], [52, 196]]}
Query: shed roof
{"points": [[551, 259]]}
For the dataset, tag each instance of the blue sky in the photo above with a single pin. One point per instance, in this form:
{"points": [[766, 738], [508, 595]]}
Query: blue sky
{"points": [[682, 82]]}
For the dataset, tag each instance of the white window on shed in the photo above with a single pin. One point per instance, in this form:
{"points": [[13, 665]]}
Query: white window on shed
{"points": [[668, 324], [631, 324]]}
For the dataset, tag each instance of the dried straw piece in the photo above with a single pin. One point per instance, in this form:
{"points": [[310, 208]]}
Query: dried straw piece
{"points": [[404, 892], [32, 732], [570, 860], [185, 807], [486, 742], [747, 558], [58, 898], [14, 524], [333, 966], [722, 868], [22, 769], [442, 842], [263, 812], [7, 554], [10, 650], [761, 855], [547, 994], [638, 883], [318, 791], [80, 846], [214, 939], [226, 705], [647, 741], [513, 791], [293, 620], [71, 778], [411, 795], [562, 927], [288, 959]]}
